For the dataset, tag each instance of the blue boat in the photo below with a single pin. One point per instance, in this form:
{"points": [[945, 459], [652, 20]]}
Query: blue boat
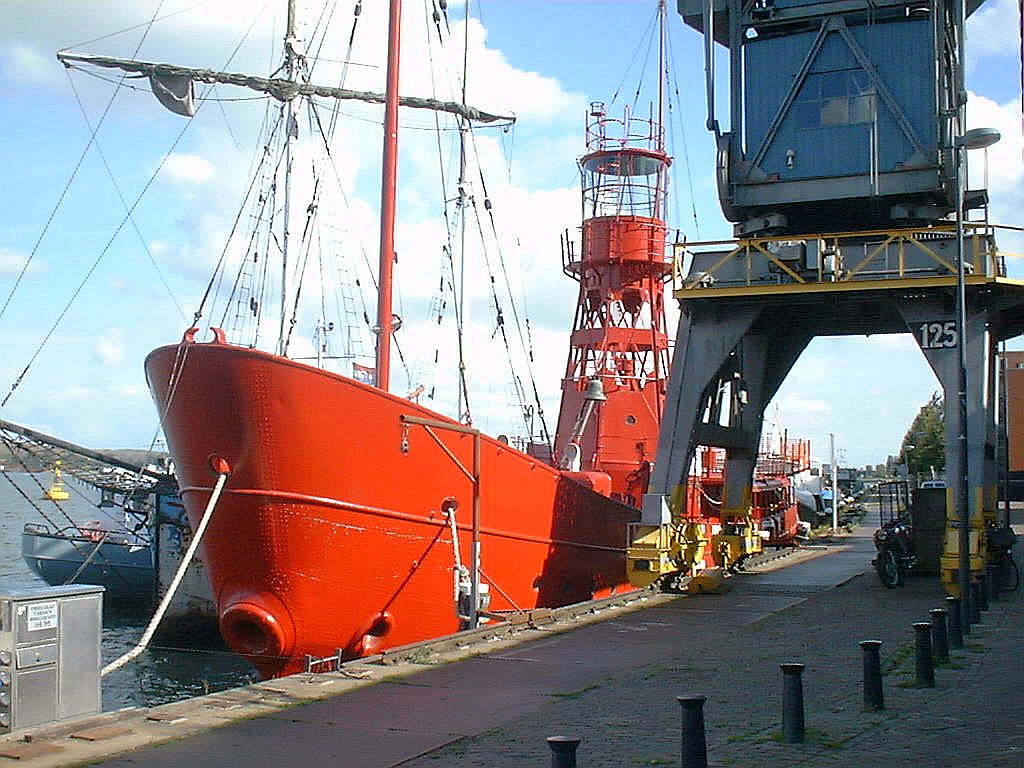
{"points": [[121, 562], [137, 557]]}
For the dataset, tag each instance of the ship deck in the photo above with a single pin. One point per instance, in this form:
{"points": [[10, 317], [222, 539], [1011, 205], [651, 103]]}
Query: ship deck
{"points": [[610, 676]]}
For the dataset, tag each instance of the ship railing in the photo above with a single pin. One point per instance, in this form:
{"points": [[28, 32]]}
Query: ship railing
{"points": [[604, 133], [839, 258], [86, 534]]}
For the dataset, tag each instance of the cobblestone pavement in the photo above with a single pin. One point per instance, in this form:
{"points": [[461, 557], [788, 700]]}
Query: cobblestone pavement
{"points": [[973, 716], [613, 683]]}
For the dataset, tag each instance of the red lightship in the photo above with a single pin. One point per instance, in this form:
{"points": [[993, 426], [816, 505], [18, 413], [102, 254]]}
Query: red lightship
{"points": [[354, 519]]}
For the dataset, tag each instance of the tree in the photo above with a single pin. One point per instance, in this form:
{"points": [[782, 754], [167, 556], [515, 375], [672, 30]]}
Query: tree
{"points": [[924, 445]]}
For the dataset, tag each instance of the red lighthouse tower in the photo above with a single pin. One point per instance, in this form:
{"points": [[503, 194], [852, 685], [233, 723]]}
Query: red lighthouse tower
{"points": [[614, 383]]}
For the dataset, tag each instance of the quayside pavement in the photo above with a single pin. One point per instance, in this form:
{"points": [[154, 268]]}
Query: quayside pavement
{"points": [[613, 684]]}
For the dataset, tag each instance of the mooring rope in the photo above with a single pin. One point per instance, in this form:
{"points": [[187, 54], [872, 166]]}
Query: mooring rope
{"points": [[175, 582], [460, 571]]}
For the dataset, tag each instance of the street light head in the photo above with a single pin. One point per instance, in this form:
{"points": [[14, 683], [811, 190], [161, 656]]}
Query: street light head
{"points": [[978, 138]]}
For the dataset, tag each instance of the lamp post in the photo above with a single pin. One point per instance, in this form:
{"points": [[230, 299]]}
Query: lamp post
{"points": [[976, 138]]}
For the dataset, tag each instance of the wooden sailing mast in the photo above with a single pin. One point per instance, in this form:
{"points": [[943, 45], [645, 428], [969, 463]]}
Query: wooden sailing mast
{"points": [[388, 181]]}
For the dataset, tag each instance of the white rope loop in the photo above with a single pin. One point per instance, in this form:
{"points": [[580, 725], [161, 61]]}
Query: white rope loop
{"points": [[175, 582]]}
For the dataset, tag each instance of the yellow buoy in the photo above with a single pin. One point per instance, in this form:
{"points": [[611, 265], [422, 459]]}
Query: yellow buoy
{"points": [[57, 491]]}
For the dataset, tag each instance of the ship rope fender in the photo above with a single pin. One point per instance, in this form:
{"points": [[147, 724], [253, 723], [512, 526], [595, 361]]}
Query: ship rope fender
{"points": [[186, 560]]}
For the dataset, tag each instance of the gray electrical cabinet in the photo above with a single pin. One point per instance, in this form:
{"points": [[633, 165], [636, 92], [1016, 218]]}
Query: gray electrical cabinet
{"points": [[49, 653]]}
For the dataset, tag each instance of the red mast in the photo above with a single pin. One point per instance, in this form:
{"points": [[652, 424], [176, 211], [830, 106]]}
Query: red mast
{"points": [[619, 336], [389, 175]]}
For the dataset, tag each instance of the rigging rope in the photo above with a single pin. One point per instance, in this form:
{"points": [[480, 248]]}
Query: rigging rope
{"points": [[85, 563], [678, 115], [264, 201], [448, 260], [44, 455], [12, 448], [124, 203], [499, 315], [545, 435], [117, 231], [636, 52], [647, 55], [25, 496], [325, 137], [67, 186]]}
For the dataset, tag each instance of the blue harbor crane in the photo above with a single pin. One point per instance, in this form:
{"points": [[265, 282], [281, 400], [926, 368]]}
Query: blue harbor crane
{"points": [[842, 169]]}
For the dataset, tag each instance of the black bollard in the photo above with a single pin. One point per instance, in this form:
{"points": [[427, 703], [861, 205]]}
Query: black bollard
{"points": [[940, 638], [792, 703], [563, 751], [956, 631], [975, 606], [983, 591], [994, 584], [694, 747], [874, 699], [923, 655]]}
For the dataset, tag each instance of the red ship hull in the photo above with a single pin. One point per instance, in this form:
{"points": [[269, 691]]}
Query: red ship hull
{"points": [[330, 533]]}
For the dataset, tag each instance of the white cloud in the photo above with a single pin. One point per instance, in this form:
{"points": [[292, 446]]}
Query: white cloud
{"points": [[73, 392], [187, 169], [110, 349], [990, 30], [530, 95], [11, 264], [25, 64], [130, 390], [898, 342], [1004, 167], [1001, 168]]}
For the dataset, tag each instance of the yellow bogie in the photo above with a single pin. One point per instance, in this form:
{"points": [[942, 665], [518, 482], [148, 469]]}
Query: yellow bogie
{"points": [[656, 551], [738, 540]]}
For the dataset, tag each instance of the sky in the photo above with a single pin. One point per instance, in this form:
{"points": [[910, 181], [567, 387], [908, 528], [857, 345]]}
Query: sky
{"points": [[102, 290]]}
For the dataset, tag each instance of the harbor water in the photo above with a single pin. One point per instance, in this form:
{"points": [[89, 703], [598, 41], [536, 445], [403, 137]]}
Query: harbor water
{"points": [[159, 675]]}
